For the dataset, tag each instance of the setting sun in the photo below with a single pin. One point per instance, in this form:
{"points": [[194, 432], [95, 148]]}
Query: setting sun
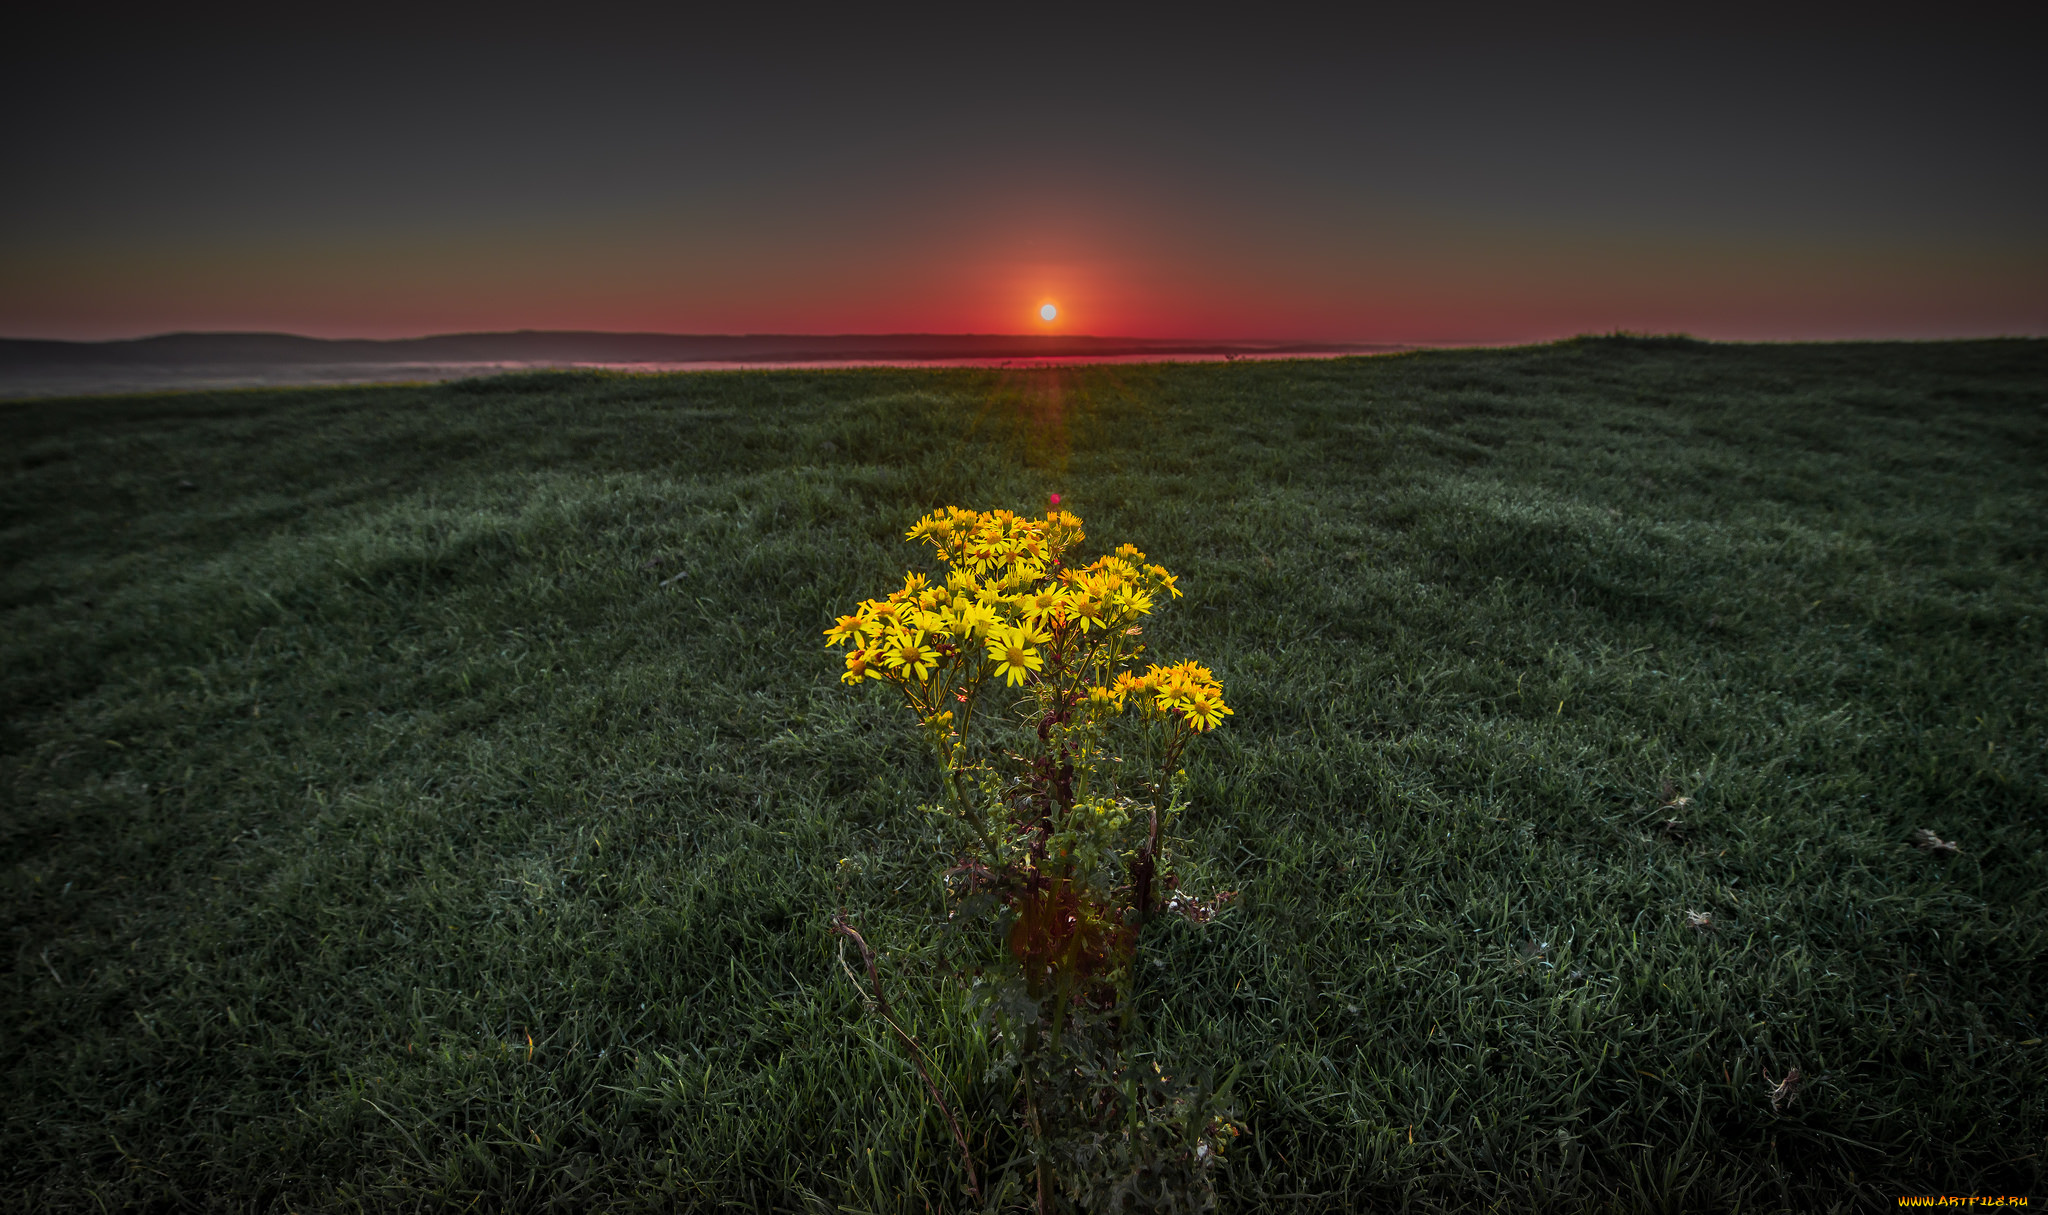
{"points": [[1048, 312]]}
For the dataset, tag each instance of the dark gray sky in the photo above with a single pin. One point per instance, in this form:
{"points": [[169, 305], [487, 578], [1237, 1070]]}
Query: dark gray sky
{"points": [[1472, 176]]}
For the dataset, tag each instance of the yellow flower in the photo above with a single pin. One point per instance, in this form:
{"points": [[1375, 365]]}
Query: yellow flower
{"points": [[1204, 709], [859, 666], [1014, 656], [1040, 606], [1162, 579], [1094, 583], [1030, 635], [1115, 570], [844, 630], [1163, 685], [907, 654], [976, 619], [1181, 680], [1087, 611]]}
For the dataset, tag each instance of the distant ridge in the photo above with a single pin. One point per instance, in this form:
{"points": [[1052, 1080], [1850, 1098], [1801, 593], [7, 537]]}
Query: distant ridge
{"points": [[570, 347], [189, 361]]}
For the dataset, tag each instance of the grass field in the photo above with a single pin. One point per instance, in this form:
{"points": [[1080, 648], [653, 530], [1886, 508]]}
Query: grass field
{"points": [[435, 797]]}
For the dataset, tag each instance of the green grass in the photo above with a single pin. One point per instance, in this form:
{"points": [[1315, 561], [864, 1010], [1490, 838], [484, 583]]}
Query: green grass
{"points": [[355, 737]]}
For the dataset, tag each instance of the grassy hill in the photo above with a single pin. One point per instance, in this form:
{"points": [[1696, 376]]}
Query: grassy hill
{"points": [[437, 796]]}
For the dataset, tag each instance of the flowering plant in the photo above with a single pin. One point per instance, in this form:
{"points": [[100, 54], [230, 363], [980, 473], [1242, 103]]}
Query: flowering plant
{"points": [[1053, 832]]}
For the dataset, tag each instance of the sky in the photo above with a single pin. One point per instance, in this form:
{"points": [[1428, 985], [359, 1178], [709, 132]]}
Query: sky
{"points": [[1471, 177]]}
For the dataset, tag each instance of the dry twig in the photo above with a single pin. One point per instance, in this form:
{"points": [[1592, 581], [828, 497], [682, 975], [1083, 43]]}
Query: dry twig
{"points": [[1927, 841], [1787, 1089], [880, 1004]]}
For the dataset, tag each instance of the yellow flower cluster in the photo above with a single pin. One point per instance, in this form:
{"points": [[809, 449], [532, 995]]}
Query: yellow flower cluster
{"points": [[1184, 688], [1009, 608]]}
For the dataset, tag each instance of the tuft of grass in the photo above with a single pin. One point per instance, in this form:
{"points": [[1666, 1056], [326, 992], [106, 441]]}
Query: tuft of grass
{"points": [[428, 796]]}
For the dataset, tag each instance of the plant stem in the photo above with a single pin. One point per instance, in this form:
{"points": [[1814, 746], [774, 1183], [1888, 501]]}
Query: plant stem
{"points": [[1035, 1117]]}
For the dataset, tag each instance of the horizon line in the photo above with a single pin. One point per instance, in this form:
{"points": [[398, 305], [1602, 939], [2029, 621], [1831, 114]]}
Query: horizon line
{"points": [[657, 333], [1276, 344]]}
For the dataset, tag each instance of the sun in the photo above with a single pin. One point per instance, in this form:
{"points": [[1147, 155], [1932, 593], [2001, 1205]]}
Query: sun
{"points": [[1048, 312]]}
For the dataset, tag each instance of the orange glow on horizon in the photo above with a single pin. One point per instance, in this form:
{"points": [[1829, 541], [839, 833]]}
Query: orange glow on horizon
{"points": [[1493, 292]]}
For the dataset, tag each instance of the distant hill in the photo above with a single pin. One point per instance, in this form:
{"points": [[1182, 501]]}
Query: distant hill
{"points": [[546, 347], [190, 361]]}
